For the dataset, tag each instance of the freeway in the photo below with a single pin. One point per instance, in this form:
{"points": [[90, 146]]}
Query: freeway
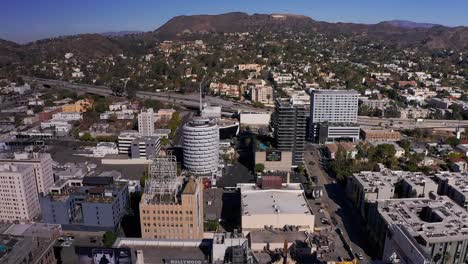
{"points": [[337, 205], [405, 123], [187, 100]]}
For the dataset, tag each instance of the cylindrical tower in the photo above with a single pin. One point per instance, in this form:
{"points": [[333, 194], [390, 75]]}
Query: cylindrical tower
{"points": [[201, 145]]}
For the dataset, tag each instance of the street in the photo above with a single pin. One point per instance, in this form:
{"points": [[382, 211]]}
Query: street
{"points": [[336, 205]]}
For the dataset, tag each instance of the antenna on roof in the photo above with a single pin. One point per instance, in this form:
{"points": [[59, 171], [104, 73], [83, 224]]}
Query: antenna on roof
{"points": [[201, 99]]}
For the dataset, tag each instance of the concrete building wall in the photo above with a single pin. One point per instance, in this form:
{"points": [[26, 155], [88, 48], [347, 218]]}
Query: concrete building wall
{"points": [[19, 200], [55, 212], [284, 164], [146, 122], [259, 221], [99, 214], [201, 146], [42, 163], [380, 135], [168, 220]]}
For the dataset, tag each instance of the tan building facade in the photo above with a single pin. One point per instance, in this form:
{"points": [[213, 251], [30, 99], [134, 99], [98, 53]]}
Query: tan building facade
{"points": [[79, 106], [174, 220], [263, 94], [281, 162], [19, 200], [380, 135]]}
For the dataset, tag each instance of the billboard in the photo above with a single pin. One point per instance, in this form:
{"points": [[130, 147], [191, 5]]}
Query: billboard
{"points": [[273, 155]]}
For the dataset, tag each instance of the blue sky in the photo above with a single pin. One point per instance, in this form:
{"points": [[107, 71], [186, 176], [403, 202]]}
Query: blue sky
{"points": [[25, 20]]}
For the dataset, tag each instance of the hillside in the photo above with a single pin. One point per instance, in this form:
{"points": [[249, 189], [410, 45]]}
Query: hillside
{"points": [[9, 52], [86, 45], [401, 33], [396, 33]]}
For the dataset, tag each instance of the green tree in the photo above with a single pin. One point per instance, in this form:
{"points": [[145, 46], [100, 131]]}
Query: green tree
{"points": [[174, 123], [87, 137], [109, 238], [452, 141], [342, 166], [259, 167]]}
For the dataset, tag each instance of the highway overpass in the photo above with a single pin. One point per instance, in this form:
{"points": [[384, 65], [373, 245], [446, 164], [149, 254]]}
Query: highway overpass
{"points": [[187, 100], [403, 123]]}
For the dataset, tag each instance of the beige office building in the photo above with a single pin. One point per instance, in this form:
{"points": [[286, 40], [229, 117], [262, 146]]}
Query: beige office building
{"points": [[42, 163], [275, 208], [168, 216], [19, 200]]}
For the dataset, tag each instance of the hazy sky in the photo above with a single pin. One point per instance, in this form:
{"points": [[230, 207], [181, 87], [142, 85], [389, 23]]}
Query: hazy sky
{"points": [[25, 20]]}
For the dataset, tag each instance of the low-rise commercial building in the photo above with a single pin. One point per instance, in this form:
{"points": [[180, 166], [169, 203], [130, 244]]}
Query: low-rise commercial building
{"points": [[274, 208], [274, 160], [380, 135], [79, 106], [68, 116], [331, 132], [105, 148]]}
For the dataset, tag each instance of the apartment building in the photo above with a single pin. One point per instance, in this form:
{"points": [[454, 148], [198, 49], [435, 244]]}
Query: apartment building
{"points": [[367, 187], [455, 186], [42, 164], [333, 115], [146, 122], [262, 94], [289, 122], [19, 199], [419, 230]]}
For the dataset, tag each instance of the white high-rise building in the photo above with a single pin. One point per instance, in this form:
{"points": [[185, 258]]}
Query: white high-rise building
{"points": [[333, 115], [334, 106], [201, 145], [19, 200], [42, 163], [146, 122]]}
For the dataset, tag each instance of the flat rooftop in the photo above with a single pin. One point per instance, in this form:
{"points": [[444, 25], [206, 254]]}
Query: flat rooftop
{"points": [[268, 236], [287, 200], [387, 178], [433, 220], [457, 180], [336, 92]]}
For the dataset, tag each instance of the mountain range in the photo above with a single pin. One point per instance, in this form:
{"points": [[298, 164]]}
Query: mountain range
{"points": [[397, 32]]}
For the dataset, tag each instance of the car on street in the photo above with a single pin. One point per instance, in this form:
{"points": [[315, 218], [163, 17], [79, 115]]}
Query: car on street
{"points": [[324, 221], [359, 256]]}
